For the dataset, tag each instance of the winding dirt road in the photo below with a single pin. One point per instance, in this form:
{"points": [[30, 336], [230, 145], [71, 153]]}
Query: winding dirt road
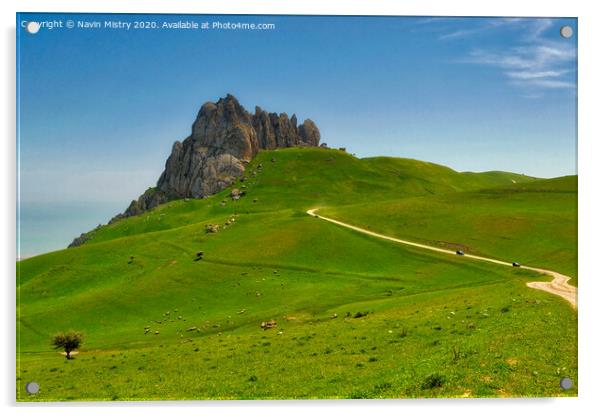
{"points": [[558, 286]]}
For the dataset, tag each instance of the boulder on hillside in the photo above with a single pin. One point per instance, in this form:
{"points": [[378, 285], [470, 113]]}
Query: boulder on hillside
{"points": [[211, 228], [268, 324]]}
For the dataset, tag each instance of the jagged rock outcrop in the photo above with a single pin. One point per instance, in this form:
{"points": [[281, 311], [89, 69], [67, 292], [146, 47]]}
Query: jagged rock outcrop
{"points": [[309, 133], [84, 237], [224, 138], [148, 200]]}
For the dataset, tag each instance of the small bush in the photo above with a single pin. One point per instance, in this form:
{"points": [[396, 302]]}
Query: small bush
{"points": [[361, 314], [360, 395], [456, 353], [381, 387], [434, 380]]}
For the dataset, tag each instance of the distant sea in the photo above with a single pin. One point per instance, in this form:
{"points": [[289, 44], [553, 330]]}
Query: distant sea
{"points": [[46, 227]]}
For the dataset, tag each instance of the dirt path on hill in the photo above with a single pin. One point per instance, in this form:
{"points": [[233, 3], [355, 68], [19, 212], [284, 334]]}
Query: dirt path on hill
{"points": [[558, 286]]}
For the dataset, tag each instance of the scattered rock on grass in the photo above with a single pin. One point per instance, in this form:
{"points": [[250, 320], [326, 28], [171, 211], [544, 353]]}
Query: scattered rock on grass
{"points": [[268, 324], [211, 228]]}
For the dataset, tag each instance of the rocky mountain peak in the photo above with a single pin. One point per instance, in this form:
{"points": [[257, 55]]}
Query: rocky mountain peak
{"points": [[224, 137]]}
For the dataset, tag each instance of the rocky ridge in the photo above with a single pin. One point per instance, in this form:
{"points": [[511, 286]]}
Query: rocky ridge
{"points": [[224, 138]]}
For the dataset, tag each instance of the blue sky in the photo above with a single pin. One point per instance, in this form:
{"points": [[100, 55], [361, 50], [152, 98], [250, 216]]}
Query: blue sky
{"points": [[100, 109]]}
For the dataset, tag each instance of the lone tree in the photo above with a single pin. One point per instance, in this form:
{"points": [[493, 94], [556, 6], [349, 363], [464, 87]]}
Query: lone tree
{"points": [[69, 341]]}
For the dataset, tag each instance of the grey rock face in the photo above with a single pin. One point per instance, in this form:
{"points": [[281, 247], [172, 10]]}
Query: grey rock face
{"points": [[224, 138], [80, 240], [149, 199], [309, 133], [198, 171]]}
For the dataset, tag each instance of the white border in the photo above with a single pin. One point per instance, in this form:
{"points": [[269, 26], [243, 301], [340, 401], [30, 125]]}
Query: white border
{"points": [[590, 206]]}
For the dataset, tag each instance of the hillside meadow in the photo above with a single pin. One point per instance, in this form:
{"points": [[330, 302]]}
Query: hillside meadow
{"points": [[353, 316]]}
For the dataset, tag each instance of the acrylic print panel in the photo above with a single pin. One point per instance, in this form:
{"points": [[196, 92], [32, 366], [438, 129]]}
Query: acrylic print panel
{"points": [[295, 207]]}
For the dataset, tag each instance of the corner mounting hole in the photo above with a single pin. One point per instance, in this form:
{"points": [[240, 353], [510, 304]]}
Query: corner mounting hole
{"points": [[566, 383], [566, 32], [32, 388]]}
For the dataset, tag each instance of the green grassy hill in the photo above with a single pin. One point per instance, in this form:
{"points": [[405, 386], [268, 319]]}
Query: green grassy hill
{"points": [[302, 178], [533, 223], [357, 317]]}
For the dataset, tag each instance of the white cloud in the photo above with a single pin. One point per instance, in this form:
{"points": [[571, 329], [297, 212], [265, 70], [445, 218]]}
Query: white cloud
{"points": [[517, 23], [536, 64], [547, 83], [538, 26], [535, 75], [458, 33], [533, 57]]}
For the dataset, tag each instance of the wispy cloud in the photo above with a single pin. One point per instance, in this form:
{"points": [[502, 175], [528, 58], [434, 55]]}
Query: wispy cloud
{"points": [[485, 26], [538, 66], [538, 27], [551, 83], [530, 28], [521, 49], [535, 75], [535, 63]]}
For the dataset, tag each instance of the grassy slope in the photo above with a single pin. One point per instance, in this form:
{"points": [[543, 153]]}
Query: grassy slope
{"points": [[533, 223], [303, 178], [476, 325]]}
